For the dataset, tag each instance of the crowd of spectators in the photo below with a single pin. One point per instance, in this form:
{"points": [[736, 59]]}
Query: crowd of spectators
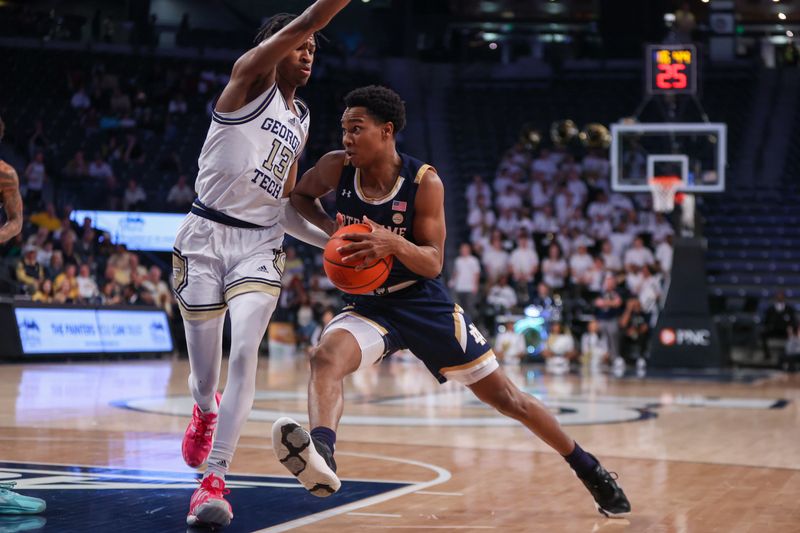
{"points": [[57, 260], [547, 231]]}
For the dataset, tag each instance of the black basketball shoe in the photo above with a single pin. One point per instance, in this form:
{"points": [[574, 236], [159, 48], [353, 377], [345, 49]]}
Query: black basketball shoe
{"points": [[312, 465], [609, 498]]}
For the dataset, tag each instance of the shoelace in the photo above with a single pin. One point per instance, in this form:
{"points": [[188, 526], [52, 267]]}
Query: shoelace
{"points": [[206, 484], [203, 429]]}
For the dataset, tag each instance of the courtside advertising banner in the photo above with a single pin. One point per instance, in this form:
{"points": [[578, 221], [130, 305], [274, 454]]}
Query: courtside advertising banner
{"points": [[45, 330]]}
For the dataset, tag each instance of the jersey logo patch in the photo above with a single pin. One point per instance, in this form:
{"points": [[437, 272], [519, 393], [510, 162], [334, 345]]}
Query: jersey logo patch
{"points": [[397, 218], [397, 205], [262, 268], [347, 193]]}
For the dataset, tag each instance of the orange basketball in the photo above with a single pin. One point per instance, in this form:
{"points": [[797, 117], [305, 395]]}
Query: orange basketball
{"points": [[345, 276]]}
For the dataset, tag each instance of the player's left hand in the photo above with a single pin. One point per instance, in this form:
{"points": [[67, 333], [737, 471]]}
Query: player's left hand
{"points": [[367, 248]]}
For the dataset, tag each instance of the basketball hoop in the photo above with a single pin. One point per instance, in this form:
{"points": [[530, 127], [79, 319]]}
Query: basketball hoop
{"points": [[663, 189]]}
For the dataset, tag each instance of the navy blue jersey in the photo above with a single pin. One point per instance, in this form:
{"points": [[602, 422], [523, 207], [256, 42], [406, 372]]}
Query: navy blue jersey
{"points": [[395, 211], [421, 317]]}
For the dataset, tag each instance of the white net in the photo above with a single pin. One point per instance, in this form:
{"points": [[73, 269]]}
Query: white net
{"points": [[663, 190]]}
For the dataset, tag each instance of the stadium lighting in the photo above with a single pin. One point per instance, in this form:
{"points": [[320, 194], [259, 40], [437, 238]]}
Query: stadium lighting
{"points": [[789, 33], [493, 46], [706, 1], [782, 16]]}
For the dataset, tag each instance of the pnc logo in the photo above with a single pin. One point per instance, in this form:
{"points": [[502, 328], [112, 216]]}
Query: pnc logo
{"points": [[685, 337]]}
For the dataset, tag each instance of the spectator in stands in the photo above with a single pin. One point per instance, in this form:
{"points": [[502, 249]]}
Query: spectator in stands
{"points": [[64, 295], [465, 281], [38, 141], [621, 239], [664, 255], [612, 261], [509, 346], [481, 213], [509, 200], [44, 294], [607, 311], [778, 321], [600, 208], [87, 246], [118, 269], [177, 105], [545, 165], [47, 219], [508, 222], [635, 334], [554, 268], [181, 196], [77, 166], [80, 100], [638, 255], [501, 296], [661, 228], [580, 264], [594, 348], [56, 265], [154, 284], [478, 188], [68, 249], [495, 259], [99, 168], [35, 179], [524, 263], [293, 266], [544, 221], [29, 272], [87, 286], [595, 277], [134, 198], [69, 279], [559, 349], [649, 292], [542, 192], [112, 295]]}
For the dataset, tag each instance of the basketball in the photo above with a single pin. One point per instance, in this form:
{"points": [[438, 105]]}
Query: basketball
{"points": [[345, 276]]}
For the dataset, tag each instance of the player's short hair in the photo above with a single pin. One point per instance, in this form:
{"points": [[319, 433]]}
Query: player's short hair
{"points": [[382, 103], [276, 23], [2, 128]]}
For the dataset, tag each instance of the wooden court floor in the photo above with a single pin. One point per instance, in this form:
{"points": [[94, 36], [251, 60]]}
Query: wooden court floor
{"points": [[692, 455]]}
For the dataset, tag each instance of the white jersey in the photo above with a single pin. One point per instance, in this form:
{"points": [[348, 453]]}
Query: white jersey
{"points": [[247, 155]]}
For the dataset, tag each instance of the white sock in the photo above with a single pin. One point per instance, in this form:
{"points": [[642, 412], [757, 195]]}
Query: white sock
{"points": [[250, 314], [204, 343]]}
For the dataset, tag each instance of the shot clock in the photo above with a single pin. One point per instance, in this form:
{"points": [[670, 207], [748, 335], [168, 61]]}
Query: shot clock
{"points": [[671, 69]]}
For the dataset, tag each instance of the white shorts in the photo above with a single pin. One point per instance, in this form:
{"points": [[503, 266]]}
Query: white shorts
{"points": [[212, 263]]}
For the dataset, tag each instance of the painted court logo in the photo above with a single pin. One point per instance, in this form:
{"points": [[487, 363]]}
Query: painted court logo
{"points": [[158, 500]]}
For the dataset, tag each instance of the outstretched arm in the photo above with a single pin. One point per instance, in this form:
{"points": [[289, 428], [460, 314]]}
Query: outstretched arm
{"points": [[424, 258], [316, 183], [257, 66], [12, 201]]}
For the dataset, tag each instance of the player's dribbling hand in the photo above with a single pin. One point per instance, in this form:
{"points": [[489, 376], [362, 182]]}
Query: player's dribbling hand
{"points": [[367, 248]]}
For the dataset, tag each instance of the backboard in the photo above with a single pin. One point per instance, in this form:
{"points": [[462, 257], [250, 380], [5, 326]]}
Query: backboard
{"points": [[694, 152]]}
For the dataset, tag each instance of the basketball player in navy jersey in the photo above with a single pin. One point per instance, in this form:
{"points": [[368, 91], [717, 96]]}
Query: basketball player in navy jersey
{"points": [[402, 199], [227, 254], [11, 202]]}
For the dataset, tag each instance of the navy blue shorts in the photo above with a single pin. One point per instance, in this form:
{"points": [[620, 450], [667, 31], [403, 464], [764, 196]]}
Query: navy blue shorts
{"points": [[424, 319]]}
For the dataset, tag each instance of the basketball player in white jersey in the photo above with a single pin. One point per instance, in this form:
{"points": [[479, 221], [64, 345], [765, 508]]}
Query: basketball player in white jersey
{"points": [[12, 503], [227, 252]]}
